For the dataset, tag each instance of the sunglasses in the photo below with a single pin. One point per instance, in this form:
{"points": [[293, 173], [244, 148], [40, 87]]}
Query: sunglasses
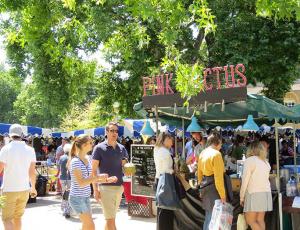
{"points": [[113, 131]]}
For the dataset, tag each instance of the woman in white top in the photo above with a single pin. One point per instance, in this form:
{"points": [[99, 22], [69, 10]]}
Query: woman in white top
{"points": [[162, 154], [255, 193], [163, 164]]}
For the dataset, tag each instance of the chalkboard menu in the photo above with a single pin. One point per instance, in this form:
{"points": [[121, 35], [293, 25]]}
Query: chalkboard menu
{"points": [[143, 181]]}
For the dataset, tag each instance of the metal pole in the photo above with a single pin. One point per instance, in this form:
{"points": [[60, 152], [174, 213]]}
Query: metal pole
{"points": [[295, 155], [280, 211], [278, 176], [183, 141], [156, 119], [176, 151]]}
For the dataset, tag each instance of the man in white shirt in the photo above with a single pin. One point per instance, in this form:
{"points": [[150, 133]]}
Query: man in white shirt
{"points": [[18, 162]]}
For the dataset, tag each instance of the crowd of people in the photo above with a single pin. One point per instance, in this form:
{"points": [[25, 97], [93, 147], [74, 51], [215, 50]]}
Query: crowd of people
{"points": [[234, 147], [87, 164], [77, 172], [209, 154]]}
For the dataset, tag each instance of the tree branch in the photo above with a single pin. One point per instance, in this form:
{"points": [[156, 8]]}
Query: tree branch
{"points": [[198, 42]]}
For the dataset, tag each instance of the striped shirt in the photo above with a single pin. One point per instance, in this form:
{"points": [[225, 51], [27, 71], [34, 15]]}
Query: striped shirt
{"points": [[86, 171]]}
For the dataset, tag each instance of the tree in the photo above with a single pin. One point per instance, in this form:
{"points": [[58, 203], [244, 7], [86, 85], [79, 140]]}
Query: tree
{"points": [[150, 37], [279, 9], [30, 108], [87, 116], [10, 87], [45, 37], [270, 50], [147, 37], [43, 42]]}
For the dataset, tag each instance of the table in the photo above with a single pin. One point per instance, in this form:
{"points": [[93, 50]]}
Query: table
{"points": [[287, 203]]}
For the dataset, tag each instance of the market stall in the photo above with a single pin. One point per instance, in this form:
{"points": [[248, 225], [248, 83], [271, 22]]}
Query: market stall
{"points": [[216, 106]]}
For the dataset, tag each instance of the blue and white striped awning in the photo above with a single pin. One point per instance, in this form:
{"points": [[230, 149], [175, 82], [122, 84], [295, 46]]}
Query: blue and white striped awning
{"points": [[132, 127], [99, 131], [27, 130]]}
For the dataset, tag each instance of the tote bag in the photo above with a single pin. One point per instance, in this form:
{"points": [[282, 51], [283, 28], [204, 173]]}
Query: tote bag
{"points": [[166, 195]]}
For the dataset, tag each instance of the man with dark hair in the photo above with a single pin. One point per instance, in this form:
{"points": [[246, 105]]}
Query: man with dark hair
{"points": [[286, 153], [109, 157], [18, 161], [197, 147]]}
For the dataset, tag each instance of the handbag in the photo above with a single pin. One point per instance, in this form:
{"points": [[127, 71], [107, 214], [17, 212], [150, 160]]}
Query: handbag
{"points": [[166, 195], [241, 222]]}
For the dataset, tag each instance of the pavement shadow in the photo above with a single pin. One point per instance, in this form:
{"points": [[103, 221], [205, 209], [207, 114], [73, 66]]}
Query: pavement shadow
{"points": [[97, 210], [40, 201], [143, 219], [74, 219]]}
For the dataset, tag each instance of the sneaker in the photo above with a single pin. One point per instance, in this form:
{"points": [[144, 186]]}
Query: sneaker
{"points": [[67, 216]]}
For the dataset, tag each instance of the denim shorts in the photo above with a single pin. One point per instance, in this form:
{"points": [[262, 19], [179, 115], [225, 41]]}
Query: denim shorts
{"points": [[80, 204]]}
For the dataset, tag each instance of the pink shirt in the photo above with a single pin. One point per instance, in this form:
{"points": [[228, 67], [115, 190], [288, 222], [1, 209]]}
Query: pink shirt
{"points": [[255, 176]]}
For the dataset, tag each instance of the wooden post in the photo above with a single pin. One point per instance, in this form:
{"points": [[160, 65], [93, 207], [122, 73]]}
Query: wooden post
{"points": [[156, 120], [176, 151], [278, 176], [295, 152], [183, 141]]}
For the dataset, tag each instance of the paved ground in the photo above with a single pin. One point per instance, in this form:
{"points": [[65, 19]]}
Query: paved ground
{"points": [[46, 215]]}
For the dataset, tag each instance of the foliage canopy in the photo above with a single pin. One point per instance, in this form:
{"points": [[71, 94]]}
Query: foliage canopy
{"points": [[49, 42]]}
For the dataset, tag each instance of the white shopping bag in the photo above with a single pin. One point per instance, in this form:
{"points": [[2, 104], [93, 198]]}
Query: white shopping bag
{"points": [[222, 216], [241, 222]]}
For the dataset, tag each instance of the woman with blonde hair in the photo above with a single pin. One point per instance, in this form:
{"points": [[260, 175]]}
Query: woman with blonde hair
{"points": [[163, 164], [255, 193], [81, 177], [162, 154]]}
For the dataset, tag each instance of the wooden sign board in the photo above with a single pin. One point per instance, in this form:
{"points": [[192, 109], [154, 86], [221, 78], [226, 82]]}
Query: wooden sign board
{"points": [[142, 183], [213, 96], [220, 84]]}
